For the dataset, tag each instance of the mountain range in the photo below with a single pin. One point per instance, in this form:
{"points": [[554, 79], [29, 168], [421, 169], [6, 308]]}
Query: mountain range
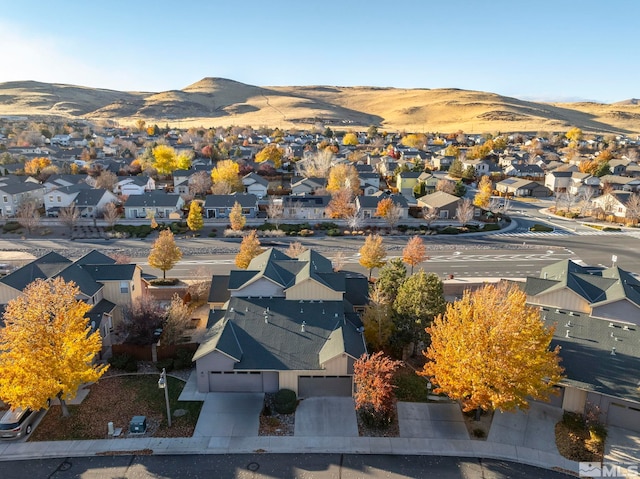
{"points": [[224, 102]]}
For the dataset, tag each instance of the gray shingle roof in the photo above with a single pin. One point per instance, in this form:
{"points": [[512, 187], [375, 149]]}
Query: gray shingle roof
{"points": [[227, 201], [152, 199], [41, 268]]}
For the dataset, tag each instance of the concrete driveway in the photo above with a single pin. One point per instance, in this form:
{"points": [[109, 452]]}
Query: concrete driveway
{"points": [[431, 420], [326, 416], [534, 428], [230, 414], [622, 445]]}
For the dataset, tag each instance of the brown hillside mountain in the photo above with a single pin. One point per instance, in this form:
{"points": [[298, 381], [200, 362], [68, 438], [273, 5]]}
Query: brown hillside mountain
{"points": [[223, 102]]}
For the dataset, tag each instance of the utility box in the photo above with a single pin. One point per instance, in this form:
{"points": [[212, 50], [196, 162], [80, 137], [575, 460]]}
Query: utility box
{"points": [[138, 425]]}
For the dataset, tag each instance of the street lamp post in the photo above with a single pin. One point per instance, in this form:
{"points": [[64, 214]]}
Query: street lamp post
{"points": [[163, 384]]}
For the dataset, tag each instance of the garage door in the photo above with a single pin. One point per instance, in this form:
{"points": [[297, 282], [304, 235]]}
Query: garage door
{"points": [[310, 386], [624, 416], [235, 381]]}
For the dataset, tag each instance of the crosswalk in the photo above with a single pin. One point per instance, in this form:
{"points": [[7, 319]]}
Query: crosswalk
{"points": [[523, 233]]}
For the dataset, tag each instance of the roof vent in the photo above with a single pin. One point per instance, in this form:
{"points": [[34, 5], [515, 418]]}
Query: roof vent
{"points": [[612, 335], [322, 310], [613, 351], [568, 325], [611, 325], [267, 309], [567, 335], [266, 319], [626, 328], [246, 309], [301, 301], [301, 310], [335, 315], [304, 323], [231, 310]]}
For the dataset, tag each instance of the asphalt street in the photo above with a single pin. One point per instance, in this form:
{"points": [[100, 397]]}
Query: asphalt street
{"points": [[271, 466]]}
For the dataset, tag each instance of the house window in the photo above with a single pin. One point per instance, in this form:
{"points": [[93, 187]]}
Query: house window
{"points": [[444, 214], [124, 287], [5, 199], [246, 211], [51, 198], [59, 199]]}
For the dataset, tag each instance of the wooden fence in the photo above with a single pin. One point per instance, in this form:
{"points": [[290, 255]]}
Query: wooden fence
{"points": [[144, 353]]}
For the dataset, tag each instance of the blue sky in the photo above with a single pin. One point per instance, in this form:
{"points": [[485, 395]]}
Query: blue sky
{"points": [[542, 50]]}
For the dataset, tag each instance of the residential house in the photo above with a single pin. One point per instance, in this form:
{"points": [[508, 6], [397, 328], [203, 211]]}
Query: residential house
{"points": [[255, 184], [366, 206], [287, 324], [305, 207], [181, 181], [618, 166], [89, 201], [581, 182], [59, 180], [596, 315], [441, 162], [523, 170], [105, 285], [614, 203], [157, 203], [303, 186], [522, 187], [624, 183], [407, 180], [445, 203], [219, 206], [12, 194], [558, 180], [134, 185], [369, 182]]}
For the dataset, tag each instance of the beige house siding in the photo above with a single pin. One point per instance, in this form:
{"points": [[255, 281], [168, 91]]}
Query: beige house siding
{"points": [[312, 290], [337, 366], [261, 287], [574, 400], [7, 293], [562, 299]]}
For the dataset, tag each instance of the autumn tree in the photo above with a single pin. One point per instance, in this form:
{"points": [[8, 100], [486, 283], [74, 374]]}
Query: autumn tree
{"points": [[164, 253], [140, 125], [28, 214], [413, 140], [415, 252], [374, 398], [272, 153], [236, 218], [36, 165], [69, 215], [574, 135], [47, 347], [227, 172], [249, 249], [275, 211], [490, 350], [456, 169], [200, 183], [372, 253], [390, 278], [111, 213], [390, 211], [464, 211], [164, 159], [195, 221], [483, 196], [350, 139], [177, 321], [106, 180], [343, 176], [295, 249], [341, 204], [420, 299], [430, 214], [315, 165], [446, 186], [632, 206], [377, 319]]}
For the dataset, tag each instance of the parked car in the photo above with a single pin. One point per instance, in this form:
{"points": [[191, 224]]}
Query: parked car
{"points": [[17, 423]]}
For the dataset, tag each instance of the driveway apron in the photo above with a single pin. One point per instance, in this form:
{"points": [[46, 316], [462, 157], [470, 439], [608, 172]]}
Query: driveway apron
{"points": [[230, 414], [326, 416]]}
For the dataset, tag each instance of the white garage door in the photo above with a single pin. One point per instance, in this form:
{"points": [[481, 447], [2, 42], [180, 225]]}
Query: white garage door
{"points": [[311, 386], [235, 381], [627, 417]]}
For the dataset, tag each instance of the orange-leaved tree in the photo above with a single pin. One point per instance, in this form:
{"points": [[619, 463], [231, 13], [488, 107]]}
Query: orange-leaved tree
{"points": [[490, 350], [373, 376], [47, 347], [343, 176], [249, 249], [372, 253], [414, 252]]}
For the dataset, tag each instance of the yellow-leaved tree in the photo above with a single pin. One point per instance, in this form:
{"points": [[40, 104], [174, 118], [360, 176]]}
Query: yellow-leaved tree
{"points": [[164, 253], [249, 249], [36, 165], [490, 350], [271, 152], [483, 196], [195, 222], [236, 218], [372, 253], [164, 159], [343, 176], [47, 347], [414, 252], [227, 172], [350, 139]]}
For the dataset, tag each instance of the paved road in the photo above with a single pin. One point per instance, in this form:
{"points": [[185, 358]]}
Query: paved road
{"points": [[269, 466]]}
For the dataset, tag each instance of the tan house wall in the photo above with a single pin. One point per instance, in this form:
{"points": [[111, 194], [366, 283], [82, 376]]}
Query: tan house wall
{"points": [[334, 367], [7, 293], [562, 299], [312, 290], [623, 310]]}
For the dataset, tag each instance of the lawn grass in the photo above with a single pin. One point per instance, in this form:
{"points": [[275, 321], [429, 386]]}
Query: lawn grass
{"points": [[409, 386], [117, 399]]}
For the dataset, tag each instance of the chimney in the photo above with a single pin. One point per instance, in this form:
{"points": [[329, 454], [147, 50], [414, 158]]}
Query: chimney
{"points": [[304, 323]]}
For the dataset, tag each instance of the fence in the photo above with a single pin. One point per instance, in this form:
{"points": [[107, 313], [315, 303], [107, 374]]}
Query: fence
{"points": [[144, 352]]}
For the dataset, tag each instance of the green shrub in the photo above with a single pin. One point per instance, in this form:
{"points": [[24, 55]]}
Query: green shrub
{"points": [[165, 364], [410, 387], [124, 362], [334, 232], [325, 226], [573, 421], [11, 226], [286, 401], [611, 228], [491, 227], [164, 282], [183, 359], [267, 227], [571, 215], [449, 230], [560, 213], [541, 228], [598, 432]]}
